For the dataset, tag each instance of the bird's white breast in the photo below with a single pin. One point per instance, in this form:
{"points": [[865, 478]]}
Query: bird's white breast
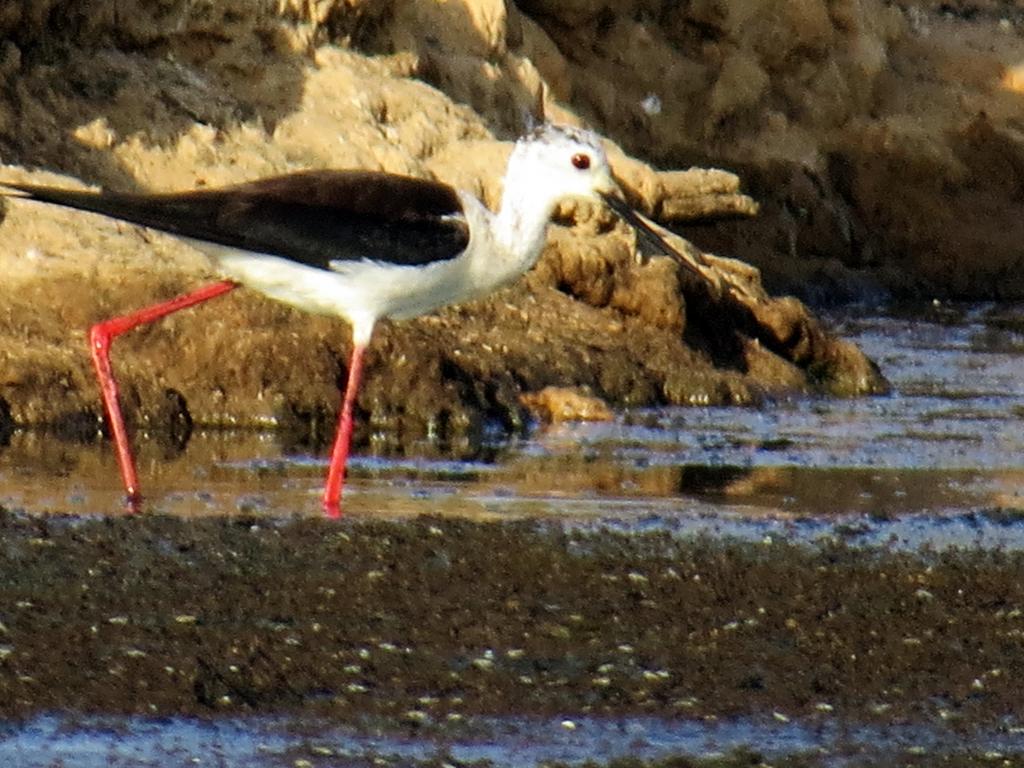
{"points": [[363, 291]]}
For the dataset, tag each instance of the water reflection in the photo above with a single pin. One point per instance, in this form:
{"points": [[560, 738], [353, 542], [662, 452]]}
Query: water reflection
{"points": [[949, 439]]}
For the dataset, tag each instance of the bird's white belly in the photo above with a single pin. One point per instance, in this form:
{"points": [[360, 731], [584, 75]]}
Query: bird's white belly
{"points": [[360, 291]]}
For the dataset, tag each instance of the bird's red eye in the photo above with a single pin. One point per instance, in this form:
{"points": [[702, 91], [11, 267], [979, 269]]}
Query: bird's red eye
{"points": [[581, 160]]}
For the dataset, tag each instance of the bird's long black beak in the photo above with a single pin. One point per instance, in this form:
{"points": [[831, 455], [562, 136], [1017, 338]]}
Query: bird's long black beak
{"points": [[646, 232]]}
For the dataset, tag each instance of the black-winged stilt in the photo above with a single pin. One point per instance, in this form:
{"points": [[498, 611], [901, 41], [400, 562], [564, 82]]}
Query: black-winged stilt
{"points": [[361, 245]]}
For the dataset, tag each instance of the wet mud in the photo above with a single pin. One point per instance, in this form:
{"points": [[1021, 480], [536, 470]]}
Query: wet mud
{"points": [[429, 622]]}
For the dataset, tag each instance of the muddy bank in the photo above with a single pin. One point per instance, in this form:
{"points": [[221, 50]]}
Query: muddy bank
{"points": [[882, 138], [204, 97], [415, 621]]}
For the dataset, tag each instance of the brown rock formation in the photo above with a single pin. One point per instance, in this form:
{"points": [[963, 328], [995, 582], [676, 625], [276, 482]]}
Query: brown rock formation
{"points": [[883, 139], [171, 95]]}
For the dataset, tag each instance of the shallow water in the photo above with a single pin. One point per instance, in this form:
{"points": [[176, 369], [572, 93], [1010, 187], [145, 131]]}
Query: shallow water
{"points": [[949, 440], [511, 742]]}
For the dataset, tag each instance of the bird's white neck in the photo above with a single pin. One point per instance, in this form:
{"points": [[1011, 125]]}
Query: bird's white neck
{"points": [[526, 207]]}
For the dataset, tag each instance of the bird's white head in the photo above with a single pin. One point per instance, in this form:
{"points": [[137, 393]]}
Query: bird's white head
{"points": [[550, 164], [562, 161]]}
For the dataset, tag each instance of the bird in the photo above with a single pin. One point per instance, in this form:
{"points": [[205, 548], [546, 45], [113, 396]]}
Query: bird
{"points": [[361, 245]]}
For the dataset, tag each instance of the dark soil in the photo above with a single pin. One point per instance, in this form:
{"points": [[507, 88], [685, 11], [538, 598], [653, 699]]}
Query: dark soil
{"points": [[414, 620]]}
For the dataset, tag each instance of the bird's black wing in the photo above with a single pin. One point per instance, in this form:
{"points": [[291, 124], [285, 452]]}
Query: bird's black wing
{"points": [[311, 217]]}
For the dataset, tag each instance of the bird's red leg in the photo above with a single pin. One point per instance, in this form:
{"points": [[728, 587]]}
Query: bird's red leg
{"points": [[100, 337], [343, 437]]}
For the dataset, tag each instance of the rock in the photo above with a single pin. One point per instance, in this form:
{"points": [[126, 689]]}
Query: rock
{"points": [[267, 94], [475, 28], [772, 91], [553, 405], [779, 90]]}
